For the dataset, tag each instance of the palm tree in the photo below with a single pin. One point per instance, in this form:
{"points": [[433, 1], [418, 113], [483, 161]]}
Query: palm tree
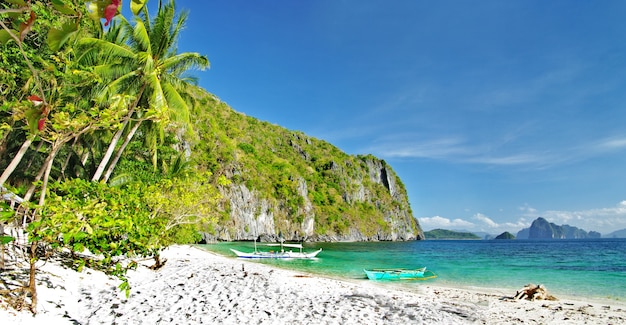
{"points": [[148, 68]]}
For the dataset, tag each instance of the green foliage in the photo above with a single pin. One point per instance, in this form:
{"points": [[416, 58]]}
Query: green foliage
{"points": [[6, 213], [53, 93], [136, 220], [105, 220], [6, 239], [247, 148], [183, 204]]}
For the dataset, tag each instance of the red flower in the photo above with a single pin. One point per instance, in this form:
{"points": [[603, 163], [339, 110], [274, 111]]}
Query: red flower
{"points": [[28, 25], [41, 123], [35, 100], [110, 11]]}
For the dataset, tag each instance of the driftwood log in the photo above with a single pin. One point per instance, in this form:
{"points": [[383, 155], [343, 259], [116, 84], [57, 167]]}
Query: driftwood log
{"points": [[534, 292]]}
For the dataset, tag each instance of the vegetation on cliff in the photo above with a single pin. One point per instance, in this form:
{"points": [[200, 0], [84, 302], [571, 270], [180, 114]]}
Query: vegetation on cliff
{"points": [[291, 170]]}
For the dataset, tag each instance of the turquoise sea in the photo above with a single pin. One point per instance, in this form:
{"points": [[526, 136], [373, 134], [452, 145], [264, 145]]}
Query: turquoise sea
{"points": [[594, 268]]}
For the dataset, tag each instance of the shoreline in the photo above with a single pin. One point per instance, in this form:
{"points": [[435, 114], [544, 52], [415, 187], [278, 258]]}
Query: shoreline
{"points": [[197, 286], [503, 290]]}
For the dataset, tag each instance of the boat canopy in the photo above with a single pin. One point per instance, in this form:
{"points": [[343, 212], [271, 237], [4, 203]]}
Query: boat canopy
{"points": [[286, 245]]}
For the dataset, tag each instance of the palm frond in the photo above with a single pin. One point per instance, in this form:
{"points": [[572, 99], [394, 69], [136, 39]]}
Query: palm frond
{"points": [[121, 180], [107, 49], [141, 38], [157, 98], [179, 166], [185, 61], [163, 34], [179, 111]]}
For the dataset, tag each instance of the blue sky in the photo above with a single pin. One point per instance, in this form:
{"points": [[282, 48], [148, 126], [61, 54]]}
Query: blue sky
{"points": [[493, 113]]}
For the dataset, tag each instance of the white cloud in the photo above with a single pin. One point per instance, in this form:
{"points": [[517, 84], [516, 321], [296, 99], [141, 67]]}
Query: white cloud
{"points": [[439, 222], [528, 209], [485, 220], [518, 159], [460, 150], [441, 148], [613, 143], [483, 224]]}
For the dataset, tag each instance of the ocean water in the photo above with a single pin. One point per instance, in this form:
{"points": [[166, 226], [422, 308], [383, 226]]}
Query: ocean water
{"points": [[584, 268]]}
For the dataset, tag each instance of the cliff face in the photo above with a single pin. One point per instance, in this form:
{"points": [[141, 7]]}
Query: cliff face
{"points": [[542, 229], [285, 183]]}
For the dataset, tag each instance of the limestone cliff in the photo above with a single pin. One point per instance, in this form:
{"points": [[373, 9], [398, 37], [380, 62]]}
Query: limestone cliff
{"points": [[285, 183]]}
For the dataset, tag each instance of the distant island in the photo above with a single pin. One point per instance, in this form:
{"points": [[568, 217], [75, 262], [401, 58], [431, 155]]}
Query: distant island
{"points": [[449, 234], [616, 234], [542, 229], [539, 229], [505, 235]]}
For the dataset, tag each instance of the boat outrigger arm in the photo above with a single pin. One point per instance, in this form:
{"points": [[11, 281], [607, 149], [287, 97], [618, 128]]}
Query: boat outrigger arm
{"points": [[282, 246], [279, 254]]}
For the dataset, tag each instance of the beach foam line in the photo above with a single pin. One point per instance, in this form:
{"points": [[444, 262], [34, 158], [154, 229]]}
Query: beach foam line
{"points": [[200, 287]]}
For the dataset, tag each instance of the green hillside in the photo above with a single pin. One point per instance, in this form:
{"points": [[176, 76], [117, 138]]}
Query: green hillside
{"points": [[275, 162], [449, 234]]}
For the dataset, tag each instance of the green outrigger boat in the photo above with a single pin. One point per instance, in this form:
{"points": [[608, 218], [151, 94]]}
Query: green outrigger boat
{"points": [[400, 274]]}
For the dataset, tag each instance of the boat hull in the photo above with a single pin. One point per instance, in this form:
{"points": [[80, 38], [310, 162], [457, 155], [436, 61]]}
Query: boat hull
{"points": [[287, 254], [399, 274]]}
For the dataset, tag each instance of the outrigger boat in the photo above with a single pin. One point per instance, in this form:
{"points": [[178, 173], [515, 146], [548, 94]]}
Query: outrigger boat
{"points": [[400, 274], [282, 253]]}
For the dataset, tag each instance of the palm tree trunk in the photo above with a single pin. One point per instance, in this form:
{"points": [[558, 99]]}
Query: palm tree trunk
{"points": [[44, 172], [3, 144], [67, 160], [16, 160], [32, 158], [116, 138], [46, 175], [129, 137], [107, 155]]}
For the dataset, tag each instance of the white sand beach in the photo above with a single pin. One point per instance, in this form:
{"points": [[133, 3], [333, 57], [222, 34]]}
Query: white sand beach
{"points": [[200, 287]]}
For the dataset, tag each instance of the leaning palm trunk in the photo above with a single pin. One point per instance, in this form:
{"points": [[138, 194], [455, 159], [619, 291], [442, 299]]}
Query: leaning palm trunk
{"points": [[107, 155], [44, 173], [47, 165], [129, 137], [116, 138], [16, 160], [67, 159]]}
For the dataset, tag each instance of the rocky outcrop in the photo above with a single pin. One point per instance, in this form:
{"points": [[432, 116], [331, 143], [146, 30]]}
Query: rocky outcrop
{"points": [[255, 216], [287, 183], [505, 235], [533, 292], [542, 229]]}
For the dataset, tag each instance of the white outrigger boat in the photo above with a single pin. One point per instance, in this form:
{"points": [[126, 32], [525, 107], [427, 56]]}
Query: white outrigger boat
{"points": [[282, 253]]}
